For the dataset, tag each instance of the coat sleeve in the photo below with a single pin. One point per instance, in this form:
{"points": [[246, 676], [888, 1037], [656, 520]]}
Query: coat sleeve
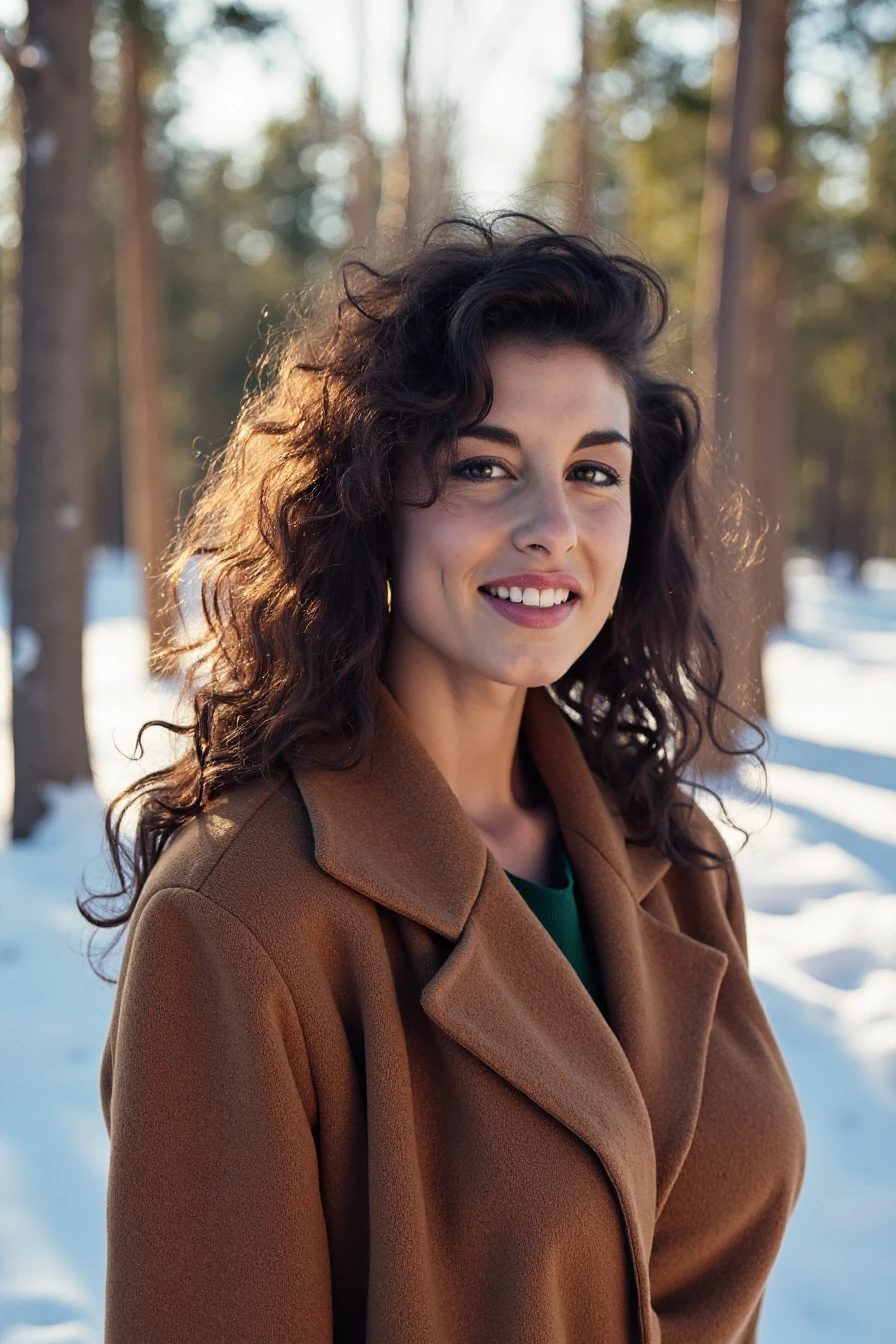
{"points": [[215, 1228]]}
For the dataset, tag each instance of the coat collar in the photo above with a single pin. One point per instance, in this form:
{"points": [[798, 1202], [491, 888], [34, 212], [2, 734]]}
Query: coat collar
{"points": [[392, 829]]}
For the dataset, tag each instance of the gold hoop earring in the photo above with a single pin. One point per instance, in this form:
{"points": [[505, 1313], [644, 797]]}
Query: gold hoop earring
{"points": [[610, 613], [388, 596]]}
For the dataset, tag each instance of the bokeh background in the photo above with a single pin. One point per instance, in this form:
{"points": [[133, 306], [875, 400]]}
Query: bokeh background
{"points": [[170, 174]]}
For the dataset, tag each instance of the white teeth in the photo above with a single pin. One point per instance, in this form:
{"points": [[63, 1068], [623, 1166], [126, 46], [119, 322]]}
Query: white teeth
{"points": [[531, 597]]}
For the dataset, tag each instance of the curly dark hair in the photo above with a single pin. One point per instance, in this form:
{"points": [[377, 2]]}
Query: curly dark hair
{"points": [[290, 531]]}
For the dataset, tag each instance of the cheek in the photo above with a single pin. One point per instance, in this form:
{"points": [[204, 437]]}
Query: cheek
{"points": [[434, 544], [623, 533], [608, 534]]}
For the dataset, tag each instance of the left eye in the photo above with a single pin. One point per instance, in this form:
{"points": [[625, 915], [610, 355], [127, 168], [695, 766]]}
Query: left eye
{"points": [[613, 477]]}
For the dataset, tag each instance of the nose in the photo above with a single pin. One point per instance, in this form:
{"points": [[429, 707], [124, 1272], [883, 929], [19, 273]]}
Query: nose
{"points": [[546, 520]]}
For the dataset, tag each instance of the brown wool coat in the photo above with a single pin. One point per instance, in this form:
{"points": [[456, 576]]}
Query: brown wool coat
{"points": [[355, 1092]]}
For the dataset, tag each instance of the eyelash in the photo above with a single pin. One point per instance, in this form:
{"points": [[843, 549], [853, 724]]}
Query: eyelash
{"points": [[462, 467]]}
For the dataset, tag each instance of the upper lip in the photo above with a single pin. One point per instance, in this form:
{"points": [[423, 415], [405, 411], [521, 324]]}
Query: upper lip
{"points": [[539, 581]]}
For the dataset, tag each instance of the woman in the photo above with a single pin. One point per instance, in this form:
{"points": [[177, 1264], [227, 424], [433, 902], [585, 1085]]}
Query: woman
{"points": [[434, 1021]]}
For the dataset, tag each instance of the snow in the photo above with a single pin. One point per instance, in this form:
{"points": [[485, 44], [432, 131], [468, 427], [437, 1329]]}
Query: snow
{"points": [[819, 878]]}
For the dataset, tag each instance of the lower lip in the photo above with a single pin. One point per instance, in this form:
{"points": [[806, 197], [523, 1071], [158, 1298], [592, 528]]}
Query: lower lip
{"points": [[538, 618]]}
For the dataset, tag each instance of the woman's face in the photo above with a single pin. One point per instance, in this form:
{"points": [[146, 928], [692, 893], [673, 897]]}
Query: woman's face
{"points": [[539, 500]]}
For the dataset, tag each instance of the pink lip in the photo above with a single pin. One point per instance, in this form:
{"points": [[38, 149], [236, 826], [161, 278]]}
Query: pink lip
{"points": [[538, 618], [539, 581]]}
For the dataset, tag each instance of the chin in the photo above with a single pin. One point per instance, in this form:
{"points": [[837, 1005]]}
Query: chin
{"points": [[527, 673]]}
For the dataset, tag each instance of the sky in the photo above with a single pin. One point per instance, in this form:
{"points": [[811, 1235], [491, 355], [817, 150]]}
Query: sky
{"points": [[511, 62]]}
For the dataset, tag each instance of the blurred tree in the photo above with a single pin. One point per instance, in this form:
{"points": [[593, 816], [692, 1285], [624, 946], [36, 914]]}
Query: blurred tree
{"points": [[107, 484], [10, 324], [364, 195], [843, 249], [238, 238], [647, 120], [771, 380], [146, 61], [723, 327], [145, 451], [413, 203], [51, 67], [714, 208], [582, 198], [869, 493], [437, 165], [419, 177]]}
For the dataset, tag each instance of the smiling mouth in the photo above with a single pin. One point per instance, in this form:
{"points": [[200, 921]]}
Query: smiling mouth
{"points": [[531, 597]]}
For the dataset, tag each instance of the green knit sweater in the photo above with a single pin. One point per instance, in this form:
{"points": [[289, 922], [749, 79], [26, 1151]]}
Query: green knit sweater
{"points": [[561, 913]]}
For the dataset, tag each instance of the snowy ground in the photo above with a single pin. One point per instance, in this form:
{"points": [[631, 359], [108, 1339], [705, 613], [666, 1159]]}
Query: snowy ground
{"points": [[820, 880]]}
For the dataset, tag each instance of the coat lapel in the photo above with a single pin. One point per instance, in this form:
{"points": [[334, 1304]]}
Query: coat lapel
{"points": [[392, 829], [661, 985]]}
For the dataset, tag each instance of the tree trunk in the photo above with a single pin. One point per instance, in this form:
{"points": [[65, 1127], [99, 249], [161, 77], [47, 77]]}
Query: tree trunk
{"points": [[722, 340], [732, 325], [582, 206], [412, 203], [713, 207], [871, 441], [830, 511], [441, 168], [733, 344], [872, 454], [10, 328], [363, 205], [772, 392], [52, 70], [772, 388], [144, 445]]}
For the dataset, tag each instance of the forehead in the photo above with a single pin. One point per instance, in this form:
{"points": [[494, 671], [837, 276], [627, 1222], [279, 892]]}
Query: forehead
{"points": [[562, 384]]}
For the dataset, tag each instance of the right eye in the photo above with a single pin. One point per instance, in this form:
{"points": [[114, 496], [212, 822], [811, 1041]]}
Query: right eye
{"points": [[465, 469]]}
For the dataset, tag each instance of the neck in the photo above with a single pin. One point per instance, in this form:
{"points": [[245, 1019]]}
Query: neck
{"points": [[470, 727]]}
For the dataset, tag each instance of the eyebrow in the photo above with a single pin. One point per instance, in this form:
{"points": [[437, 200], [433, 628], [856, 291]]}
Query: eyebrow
{"points": [[595, 438]]}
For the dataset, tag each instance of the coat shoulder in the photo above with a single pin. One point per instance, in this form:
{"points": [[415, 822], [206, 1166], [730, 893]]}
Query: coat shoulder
{"points": [[243, 850]]}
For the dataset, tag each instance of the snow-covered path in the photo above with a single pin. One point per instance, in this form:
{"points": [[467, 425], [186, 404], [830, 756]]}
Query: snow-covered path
{"points": [[819, 876]]}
